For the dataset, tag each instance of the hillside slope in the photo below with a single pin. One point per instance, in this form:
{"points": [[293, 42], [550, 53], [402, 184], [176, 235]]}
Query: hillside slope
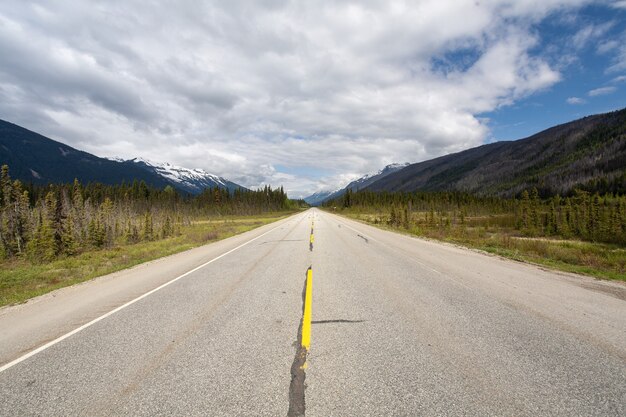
{"points": [[38, 159], [588, 151], [35, 158]]}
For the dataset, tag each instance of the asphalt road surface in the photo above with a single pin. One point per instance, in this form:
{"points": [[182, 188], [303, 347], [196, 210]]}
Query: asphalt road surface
{"points": [[398, 327]]}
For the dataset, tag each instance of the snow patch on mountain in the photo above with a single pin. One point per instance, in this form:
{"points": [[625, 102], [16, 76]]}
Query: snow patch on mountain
{"points": [[180, 174], [193, 180], [319, 196], [356, 185]]}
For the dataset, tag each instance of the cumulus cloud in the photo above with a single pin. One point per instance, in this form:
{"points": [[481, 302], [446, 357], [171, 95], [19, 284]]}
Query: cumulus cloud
{"points": [[575, 100], [256, 91]]}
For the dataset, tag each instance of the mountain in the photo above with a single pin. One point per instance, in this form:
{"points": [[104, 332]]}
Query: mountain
{"points": [[318, 197], [190, 180], [32, 157], [356, 185], [368, 179], [591, 150]]}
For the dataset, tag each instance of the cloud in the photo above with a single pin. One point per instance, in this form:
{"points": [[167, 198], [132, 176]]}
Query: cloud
{"points": [[619, 4], [575, 100], [590, 33], [619, 79], [601, 91], [255, 91], [616, 49], [607, 46]]}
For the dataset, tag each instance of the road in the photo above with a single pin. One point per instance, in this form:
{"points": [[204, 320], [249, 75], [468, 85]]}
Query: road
{"points": [[398, 327]]}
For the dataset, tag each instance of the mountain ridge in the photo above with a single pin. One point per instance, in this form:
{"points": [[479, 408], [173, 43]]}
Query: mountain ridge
{"points": [[33, 157], [555, 161], [193, 180], [355, 185]]}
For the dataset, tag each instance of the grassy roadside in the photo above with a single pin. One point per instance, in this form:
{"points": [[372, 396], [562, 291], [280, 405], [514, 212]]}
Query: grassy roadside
{"points": [[22, 279], [599, 260]]}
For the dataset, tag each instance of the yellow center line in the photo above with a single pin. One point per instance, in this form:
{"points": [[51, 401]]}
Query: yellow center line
{"points": [[308, 305]]}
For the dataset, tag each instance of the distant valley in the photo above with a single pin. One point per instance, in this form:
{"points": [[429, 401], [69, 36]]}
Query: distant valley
{"points": [[356, 185], [586, 153]]}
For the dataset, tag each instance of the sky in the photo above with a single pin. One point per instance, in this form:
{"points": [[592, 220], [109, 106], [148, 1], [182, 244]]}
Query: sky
{"points": [[305, 94]]}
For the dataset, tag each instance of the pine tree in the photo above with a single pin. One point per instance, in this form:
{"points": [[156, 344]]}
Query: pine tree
{"points": [[51, 228], [43, 246], [347, 198], [593, 220], [565, 220], [534, 210], [147, 233], [525, 209], [106, 221], [406, 221], [167, 228], [68, 240], [7, 215], [96, 233], [551, 224], [393, 217], [78, 211]]}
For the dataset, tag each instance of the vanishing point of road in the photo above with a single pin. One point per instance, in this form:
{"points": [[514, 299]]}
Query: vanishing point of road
{"points": [[320, 315]]}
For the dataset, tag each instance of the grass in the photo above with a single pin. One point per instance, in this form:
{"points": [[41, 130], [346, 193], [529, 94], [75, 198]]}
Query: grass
{"points": [[599, 260], [22, 279]]}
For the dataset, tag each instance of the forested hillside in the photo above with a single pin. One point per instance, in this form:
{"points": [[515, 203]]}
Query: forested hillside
{"points": [[589, 154]]}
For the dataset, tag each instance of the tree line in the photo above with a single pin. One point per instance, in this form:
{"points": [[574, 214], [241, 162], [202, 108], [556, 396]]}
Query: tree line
{"points": [[45, 222], [581, 215]]}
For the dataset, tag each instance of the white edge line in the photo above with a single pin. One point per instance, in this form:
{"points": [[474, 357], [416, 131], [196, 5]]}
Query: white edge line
{"points": [[123, 306]]}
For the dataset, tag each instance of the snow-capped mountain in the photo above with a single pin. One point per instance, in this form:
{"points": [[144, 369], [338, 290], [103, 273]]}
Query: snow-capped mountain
{"points": [[190, 180], [318, 197], [356, 185], [368, 179]]}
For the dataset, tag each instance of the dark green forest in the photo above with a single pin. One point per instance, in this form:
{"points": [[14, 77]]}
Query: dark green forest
{"points": [[42, 223], [581, 215]]}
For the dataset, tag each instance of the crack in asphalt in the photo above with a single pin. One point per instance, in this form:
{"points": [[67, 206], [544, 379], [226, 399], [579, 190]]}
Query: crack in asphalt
{"points": [[336, 321], [298, 374]]}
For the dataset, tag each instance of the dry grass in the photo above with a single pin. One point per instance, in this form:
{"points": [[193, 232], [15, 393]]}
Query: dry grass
{"points": [[22, 279]]}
